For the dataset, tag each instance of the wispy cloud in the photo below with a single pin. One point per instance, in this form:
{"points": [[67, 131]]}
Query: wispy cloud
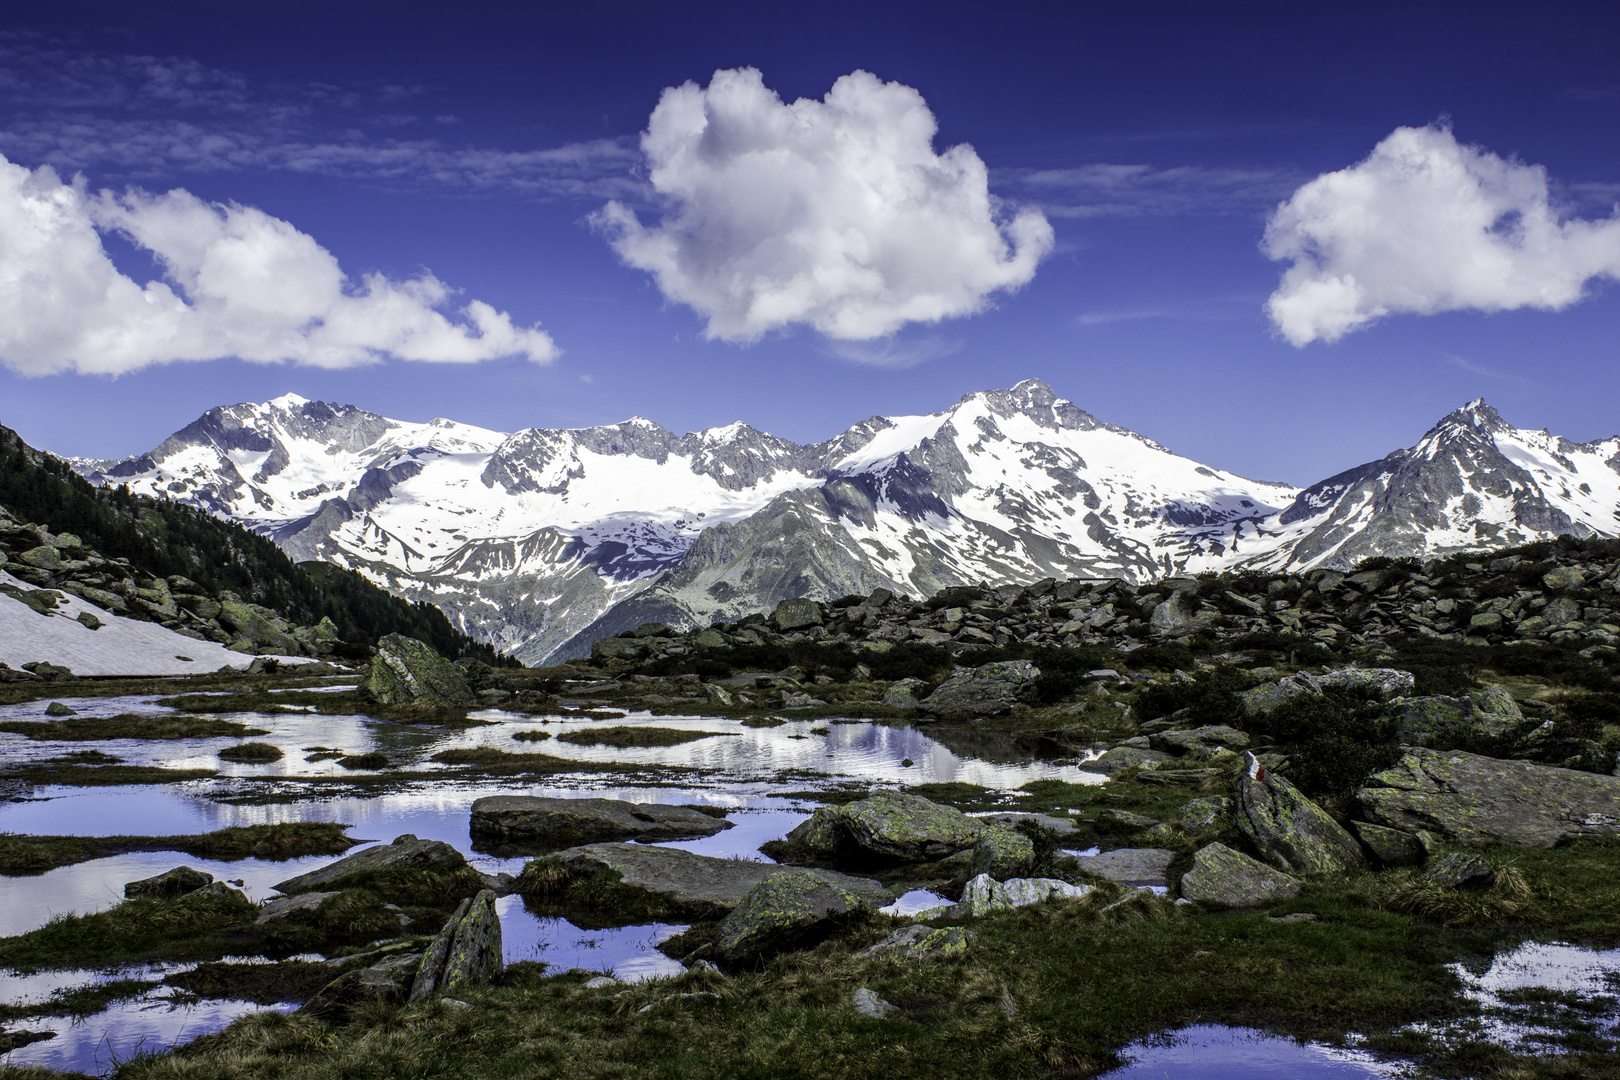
{"points": [[1472, 368], [894, 354], [145, 117], [1113, 190]]}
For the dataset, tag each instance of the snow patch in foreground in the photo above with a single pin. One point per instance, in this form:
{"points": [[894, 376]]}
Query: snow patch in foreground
{"points": [[121, 647]]}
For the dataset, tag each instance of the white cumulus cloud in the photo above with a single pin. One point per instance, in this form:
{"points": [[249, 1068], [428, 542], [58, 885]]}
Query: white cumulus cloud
{"points": [[236, 282], [1424, 225], [836, 214]]}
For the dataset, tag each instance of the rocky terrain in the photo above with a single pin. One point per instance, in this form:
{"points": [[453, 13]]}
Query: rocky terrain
{"points": [[541, 541]]}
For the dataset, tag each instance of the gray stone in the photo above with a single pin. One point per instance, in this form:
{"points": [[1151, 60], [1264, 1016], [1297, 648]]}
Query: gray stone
{"points": [[1263, 698], [1200, 814], [170, 883], [1446, 723], [1288, 830], [1223, 878], [1462, 870], [87, 620], [56, 708], [795, 614], [1126, 820], [558, 823], [697, 886], [1393, 847], [1003, 853], [1477, 799], [405, 853], [988, 690], [902, 694], [1179, 614], [1130, 866], [1385, 683], [1125, 757], [785, 910], [1201, 742], [984, 895], [1062, 826], [1564, 577], [284, 907], [869, 1004], [405, 671], [466, 951], [387, 982], [890, 826], [919, 942]]}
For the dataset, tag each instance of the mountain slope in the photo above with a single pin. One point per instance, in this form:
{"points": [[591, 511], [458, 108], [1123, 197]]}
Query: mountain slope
{"points": [[539, 541]]}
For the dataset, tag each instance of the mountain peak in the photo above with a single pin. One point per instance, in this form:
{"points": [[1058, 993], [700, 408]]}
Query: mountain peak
{"points": [[1476, 416], [288, 400]]}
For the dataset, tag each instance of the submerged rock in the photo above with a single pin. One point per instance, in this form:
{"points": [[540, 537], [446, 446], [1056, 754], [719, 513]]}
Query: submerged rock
{"points": [[559, 823], [693, 885], [466, 952], [890, 826], [1223, 878], [1290, 831], [988, 690], [1477, 799], [786, 910], [169, 884], [406, 671], [405, 853]]}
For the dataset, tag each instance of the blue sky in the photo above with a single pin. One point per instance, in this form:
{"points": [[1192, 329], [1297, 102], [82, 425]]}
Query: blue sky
{"points": [[1135, 156]]}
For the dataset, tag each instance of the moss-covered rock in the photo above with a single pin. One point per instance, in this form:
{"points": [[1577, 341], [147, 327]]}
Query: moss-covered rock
{"points": [[466, 951], [1289, 831], [787, 910], [406, 671], [888, 827], [987, 690], [1223, 878]]}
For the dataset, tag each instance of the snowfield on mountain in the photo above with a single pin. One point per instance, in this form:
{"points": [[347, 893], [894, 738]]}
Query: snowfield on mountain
{"points": [[541, 541]]}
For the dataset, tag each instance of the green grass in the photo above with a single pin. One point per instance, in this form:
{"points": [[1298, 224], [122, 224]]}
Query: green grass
{"points": [[36, 854], [92, 768], [252, 753], [127, 726], [633, 736], [488, 761], [132, 931]]}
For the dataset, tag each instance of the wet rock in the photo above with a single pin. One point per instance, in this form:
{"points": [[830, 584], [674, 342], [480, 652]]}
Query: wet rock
{"points": [[1392, 847], [919, 942], [1463, 870], [559, 823], [984, 894], [1124, 757], [867, 1003], [56, 708], [466, 952], [1200, 814], [1288, 830], [988, 690], [1130, 866], [284, 907], [385, 982], [890, 826], [406, 671], [1003, 853], [695, 885], [785, 910], [405, 853], [1475, 799], [170, 883], [1223, 878]]}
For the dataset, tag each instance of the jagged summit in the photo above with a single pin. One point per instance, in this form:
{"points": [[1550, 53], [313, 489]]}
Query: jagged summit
{"points": [[542, 539]]}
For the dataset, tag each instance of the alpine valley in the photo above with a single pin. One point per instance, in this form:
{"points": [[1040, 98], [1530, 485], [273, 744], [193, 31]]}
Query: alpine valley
{"points": [[541, 541]]}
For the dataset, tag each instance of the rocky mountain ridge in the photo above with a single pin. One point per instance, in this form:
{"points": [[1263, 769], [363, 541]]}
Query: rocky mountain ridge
{"points": [[542, 541]]}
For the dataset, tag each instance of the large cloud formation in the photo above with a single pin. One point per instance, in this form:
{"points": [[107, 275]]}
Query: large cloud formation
{"points": [[836, 213], [1424, 225], [239, 283]]}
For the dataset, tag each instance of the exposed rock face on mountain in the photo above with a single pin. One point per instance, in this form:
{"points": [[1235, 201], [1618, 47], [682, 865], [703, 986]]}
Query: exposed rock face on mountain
{"points": [[544, 541]]}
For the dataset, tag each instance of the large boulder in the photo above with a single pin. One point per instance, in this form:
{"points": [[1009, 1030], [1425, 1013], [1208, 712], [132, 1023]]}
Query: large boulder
{"points": [[1003, 852], [1124, 757], [984, 894], [1180, 614], [1446, 723], [786, 910], [1478, 799], [385, 982], [1262, 699], [988, 690], [405, 853], [527, 820], [254, 629], [1384, 683], [1290, 831], [692, 885], [169, 884], [1200, 742], [405, 671], [1223, 878], [1130, 866], [1392, 847], [892, 826], [465, 952], [796, 614]]}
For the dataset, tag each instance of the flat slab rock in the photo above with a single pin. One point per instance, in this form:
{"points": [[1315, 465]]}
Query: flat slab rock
{"points": [[700, 885], [1478, 799], [1130, 866], [1223, 878], [529, 819], [405, 852]]}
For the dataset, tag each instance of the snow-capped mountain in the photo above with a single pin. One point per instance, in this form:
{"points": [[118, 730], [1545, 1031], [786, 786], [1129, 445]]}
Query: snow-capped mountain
{"points": [[542, 540]]}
